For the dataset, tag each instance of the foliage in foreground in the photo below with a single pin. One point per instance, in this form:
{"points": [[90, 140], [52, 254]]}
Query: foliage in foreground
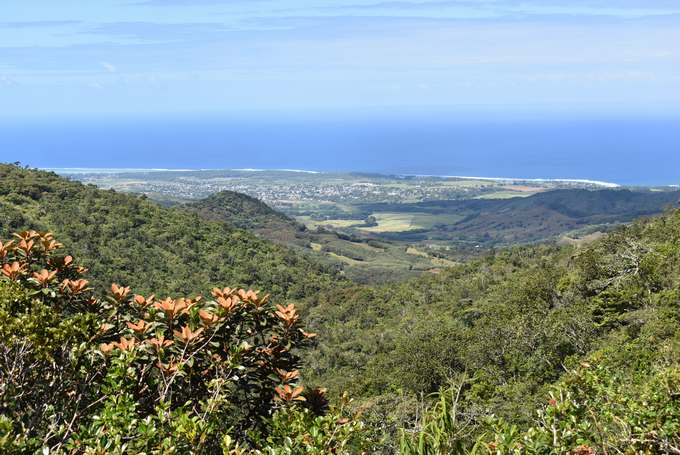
{"points": [[140, 374], [596, 408]]}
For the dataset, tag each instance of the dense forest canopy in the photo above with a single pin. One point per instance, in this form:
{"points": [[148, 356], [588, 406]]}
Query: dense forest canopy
{"points": [[532, 349], [595, 328], [129, 239], [242, 211]]}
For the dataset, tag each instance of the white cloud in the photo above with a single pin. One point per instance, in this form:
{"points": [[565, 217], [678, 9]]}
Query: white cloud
{"points": [[7, 81], [109, 67]]}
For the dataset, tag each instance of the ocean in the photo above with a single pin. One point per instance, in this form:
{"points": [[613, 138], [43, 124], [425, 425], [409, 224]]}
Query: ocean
{"points": [[627, 150]]}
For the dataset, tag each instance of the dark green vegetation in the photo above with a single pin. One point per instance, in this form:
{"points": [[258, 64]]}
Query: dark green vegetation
{"points": [[543, 216], [534, 349], [244, 212], [597, 326], [129, 239]]}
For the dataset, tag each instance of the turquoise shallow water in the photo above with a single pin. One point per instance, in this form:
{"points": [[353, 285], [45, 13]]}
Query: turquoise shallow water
{"points": [[625, 150]]}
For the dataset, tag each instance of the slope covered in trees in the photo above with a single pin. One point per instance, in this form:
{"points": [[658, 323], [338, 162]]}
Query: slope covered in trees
{"points": [[598, 326], [359, 256], [536, 349], [242, 211], [540, 217], [129, 239]]}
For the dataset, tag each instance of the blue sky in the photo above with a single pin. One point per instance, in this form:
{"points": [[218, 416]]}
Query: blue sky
{"points": [[148, 56]]}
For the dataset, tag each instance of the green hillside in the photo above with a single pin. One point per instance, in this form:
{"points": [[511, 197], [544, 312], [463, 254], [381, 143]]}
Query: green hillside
{"points": [[539, 349], [510, 328], [543, 216], [242, 211], [360, 257], [130, 240]]}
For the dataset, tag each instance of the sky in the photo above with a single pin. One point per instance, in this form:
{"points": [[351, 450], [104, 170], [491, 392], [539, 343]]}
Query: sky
{"points": [[106, 57]]}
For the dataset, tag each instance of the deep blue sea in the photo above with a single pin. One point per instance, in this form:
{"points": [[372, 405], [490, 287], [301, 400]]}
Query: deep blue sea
{"points": [[627, 150]]}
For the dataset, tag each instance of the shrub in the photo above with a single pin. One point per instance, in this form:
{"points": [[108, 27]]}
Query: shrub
{"points": [[138, 374], [594, 409]]}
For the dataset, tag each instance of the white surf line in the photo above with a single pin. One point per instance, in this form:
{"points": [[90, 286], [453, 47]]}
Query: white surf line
{"points": [[274, 170], [519, 180]]}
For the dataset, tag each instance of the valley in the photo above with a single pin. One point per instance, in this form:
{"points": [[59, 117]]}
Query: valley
{"points": [[340, 227], [582, 332], [377, 228]]}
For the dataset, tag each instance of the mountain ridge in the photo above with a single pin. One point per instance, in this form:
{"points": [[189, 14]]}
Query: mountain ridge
{"points": [[540, 217]]}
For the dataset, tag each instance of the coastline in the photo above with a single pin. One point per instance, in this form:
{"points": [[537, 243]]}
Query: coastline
{"points": [[517, 180], [84, 170]]}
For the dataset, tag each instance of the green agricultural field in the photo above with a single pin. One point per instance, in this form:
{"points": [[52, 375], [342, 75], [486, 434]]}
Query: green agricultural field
{"points": [[344, 259], [407, 221], [394, 222]]}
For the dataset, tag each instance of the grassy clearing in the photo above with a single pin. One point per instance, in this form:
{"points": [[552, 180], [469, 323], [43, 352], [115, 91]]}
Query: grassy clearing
{"points": [[394, 222], [416, 252], [344, 259], [367, 263], [313, 224], [365, 247], [582, 240], [439, 262], [406, 221], [523, 189]]}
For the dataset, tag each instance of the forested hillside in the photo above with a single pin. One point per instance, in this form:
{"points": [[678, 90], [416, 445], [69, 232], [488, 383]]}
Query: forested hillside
{"points": [[242, 211], [598, 326], [360, 257], [543, 216], [129, 239], [535, 349]]}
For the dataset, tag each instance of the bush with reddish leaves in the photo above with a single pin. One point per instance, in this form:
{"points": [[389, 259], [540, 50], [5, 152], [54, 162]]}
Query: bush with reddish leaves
{"points": [[128, 373]]}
